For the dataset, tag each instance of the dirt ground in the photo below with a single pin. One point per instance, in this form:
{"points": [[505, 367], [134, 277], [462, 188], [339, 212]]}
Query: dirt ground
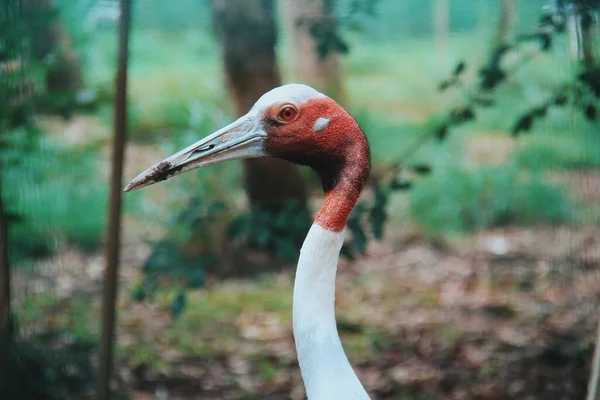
{"points": [[504, 314]]}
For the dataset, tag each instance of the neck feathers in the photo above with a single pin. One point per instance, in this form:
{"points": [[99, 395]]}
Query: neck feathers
{"points": [[343, 184], [326, 372]]}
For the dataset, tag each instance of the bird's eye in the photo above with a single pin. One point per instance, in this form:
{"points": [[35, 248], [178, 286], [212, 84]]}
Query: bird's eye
{"points": [[287, 114]]}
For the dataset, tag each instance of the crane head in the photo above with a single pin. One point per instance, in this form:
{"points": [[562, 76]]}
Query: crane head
{"points": [[294, 122]]}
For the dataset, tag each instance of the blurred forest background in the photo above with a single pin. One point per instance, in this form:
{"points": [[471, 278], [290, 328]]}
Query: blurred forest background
{"points": [[472, 266]]}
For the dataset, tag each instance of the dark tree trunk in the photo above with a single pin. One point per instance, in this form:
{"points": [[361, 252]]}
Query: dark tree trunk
{"points": [[323, 72], [6, 331], [247, 33], [587, 24], [10, 18]]}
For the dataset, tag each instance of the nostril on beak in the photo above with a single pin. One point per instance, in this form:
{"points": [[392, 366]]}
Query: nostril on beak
{"points": [[202, 150]]}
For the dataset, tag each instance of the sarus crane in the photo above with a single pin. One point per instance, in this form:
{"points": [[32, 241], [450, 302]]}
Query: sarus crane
{"points": [[297, 123]]}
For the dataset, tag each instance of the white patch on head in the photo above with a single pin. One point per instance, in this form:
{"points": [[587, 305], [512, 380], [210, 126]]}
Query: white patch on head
{"points": [[320, 124], [294, 93]]}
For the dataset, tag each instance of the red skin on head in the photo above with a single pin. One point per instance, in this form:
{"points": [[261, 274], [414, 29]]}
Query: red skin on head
{"points": [[339, 153]]}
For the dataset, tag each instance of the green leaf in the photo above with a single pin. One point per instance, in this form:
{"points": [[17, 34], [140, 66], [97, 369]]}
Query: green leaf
{"points": [[137, 293], [178, 304], [592, 79], [422, 169], [359, 238], [378, 212], [524, 124], [400, 184], [459, 69], [238, 227], [195, 276], [285, 248], [263, 237], [590, 112], [348, 252], [442, 132]]}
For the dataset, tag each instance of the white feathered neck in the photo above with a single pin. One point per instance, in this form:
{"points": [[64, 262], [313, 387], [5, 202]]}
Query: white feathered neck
{"points": [[326, 372]]}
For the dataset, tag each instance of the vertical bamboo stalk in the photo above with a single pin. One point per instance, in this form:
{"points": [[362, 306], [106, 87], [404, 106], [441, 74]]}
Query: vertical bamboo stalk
{"points": [[113, 232], [11, 11], [586, 30], [586, 27], [6, 332], [573, 36], [593, 392]]}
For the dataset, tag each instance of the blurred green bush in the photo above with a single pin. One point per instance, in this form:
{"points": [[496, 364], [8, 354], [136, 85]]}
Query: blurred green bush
{"points": [[55, 193], [459, 200]]}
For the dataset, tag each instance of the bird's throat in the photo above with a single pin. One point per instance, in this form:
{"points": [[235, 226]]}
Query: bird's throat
{"points": [[342, 190]]}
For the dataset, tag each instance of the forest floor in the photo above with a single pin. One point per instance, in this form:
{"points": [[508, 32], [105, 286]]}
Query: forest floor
{"points": [[506, 313]]}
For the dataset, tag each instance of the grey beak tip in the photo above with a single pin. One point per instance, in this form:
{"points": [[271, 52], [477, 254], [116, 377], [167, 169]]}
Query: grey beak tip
{"points": [[129, 187]]}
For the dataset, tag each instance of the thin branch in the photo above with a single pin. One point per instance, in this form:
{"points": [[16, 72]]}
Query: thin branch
{"points": [[113, 232], [6, 332], [593, 385]]}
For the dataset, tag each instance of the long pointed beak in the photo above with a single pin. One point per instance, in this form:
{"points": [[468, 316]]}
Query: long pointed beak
{"points": [[243, 138]]}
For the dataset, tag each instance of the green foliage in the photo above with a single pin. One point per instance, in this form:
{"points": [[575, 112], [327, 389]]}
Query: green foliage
{"points": [[169, 260], [281, 231], [54, 192], [379, 20], [580, 91], [51, 366], [378, 212], [555, 150], [356, 224], [178, 304], [457, 200], [172, 259], [581, 95], [192, 249], [387, 137], [47, 189], [187, 98]]}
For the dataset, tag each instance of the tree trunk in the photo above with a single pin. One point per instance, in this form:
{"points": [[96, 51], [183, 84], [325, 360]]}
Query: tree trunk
{"points": [[6, 326], [247, 33], [441, 24], [51, 40], [10, 18], [573, 35], [587, 25], [594, 383], [507, 22], [321, 71]]}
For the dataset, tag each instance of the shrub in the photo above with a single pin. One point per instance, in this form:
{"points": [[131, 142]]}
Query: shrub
{"points": [[50, 366], [54, 194], [579, 149], [458, 200]]}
